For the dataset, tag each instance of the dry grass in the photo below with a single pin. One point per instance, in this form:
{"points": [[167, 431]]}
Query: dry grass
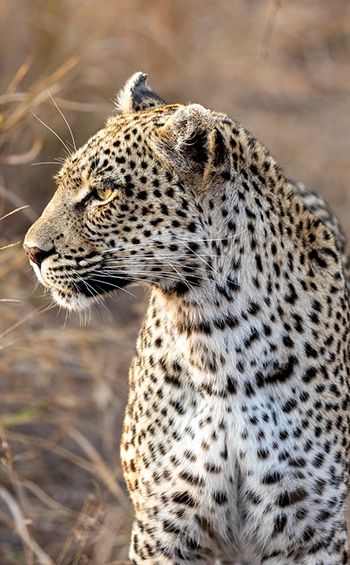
{"points": [[282, 68]]}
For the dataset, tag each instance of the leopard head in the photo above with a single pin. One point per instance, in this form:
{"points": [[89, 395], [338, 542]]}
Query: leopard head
{"points": [[128, 207]]}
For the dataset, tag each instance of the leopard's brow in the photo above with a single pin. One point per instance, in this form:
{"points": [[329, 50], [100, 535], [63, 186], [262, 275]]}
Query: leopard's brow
{"points": [[83, 193]]}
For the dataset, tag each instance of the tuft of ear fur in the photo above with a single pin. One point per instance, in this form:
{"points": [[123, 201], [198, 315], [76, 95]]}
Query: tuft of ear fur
{"points": [[137, 95], [191, 140], [185, 136]]}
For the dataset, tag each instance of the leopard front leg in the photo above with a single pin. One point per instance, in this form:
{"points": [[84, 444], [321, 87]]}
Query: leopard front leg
{"points": [[335, 553], [167, 529], [151, 543], [309, 535]]}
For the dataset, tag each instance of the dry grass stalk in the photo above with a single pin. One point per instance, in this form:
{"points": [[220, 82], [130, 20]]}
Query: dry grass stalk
{"points": [[17, 201], [48, 500], [102, 469], [94, 469], [21, 524], [86, 520], [118, 563], [14, 212], [18, 510], [13, 118], [271, 14], [30, 316]]}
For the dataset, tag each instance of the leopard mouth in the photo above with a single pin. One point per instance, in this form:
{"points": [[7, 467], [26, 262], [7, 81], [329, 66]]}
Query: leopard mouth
{"points": [[86, 292], [98, 285]]}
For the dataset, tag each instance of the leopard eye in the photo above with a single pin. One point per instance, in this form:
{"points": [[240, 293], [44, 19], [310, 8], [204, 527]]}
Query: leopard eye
{"points": [[103, 192]]}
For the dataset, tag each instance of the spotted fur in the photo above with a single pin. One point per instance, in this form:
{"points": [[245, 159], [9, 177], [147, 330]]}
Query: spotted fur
{"points": [[235, 443]]}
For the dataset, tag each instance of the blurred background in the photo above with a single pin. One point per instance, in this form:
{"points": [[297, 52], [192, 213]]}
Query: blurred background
{"points": [[279, 67]]}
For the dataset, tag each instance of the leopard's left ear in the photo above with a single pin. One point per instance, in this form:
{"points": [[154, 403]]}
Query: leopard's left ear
{"points": [[137, 95]]}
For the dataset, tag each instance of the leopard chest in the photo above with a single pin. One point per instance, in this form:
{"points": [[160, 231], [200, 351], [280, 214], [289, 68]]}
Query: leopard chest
{"points": [[186, 423], [203, 438]]}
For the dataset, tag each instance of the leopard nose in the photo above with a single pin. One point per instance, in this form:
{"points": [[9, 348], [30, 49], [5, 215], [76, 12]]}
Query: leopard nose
{"points": [[37, 255]]}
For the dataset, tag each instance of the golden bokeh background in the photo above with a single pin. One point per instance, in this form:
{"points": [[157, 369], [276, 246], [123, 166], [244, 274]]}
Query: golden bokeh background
{"points": [[281, 67]]}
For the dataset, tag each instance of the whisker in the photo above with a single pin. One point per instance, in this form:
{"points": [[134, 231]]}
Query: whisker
{"points": [[180, 275], [66, 121], [209, 266], [163, 273], [157, 273], [143, 280], [54, 133], [212, 239], [99, 299], [45, 163], [157, 260], [94, 279]]}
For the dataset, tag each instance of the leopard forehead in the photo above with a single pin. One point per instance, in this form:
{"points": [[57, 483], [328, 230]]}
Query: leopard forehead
{"points": [[122, 145]]}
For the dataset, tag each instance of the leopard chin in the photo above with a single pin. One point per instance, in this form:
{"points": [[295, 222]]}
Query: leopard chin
{"points": [[73, 302]]}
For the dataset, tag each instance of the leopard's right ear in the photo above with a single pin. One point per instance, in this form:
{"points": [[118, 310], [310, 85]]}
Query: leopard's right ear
{"points": [[137, 96], [191, 141]]}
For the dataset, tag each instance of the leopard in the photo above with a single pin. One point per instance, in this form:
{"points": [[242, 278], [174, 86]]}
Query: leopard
{"points": [[236, 431]]}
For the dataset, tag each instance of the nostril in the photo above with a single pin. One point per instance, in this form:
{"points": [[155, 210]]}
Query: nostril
{"points": [[37, 255]]}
